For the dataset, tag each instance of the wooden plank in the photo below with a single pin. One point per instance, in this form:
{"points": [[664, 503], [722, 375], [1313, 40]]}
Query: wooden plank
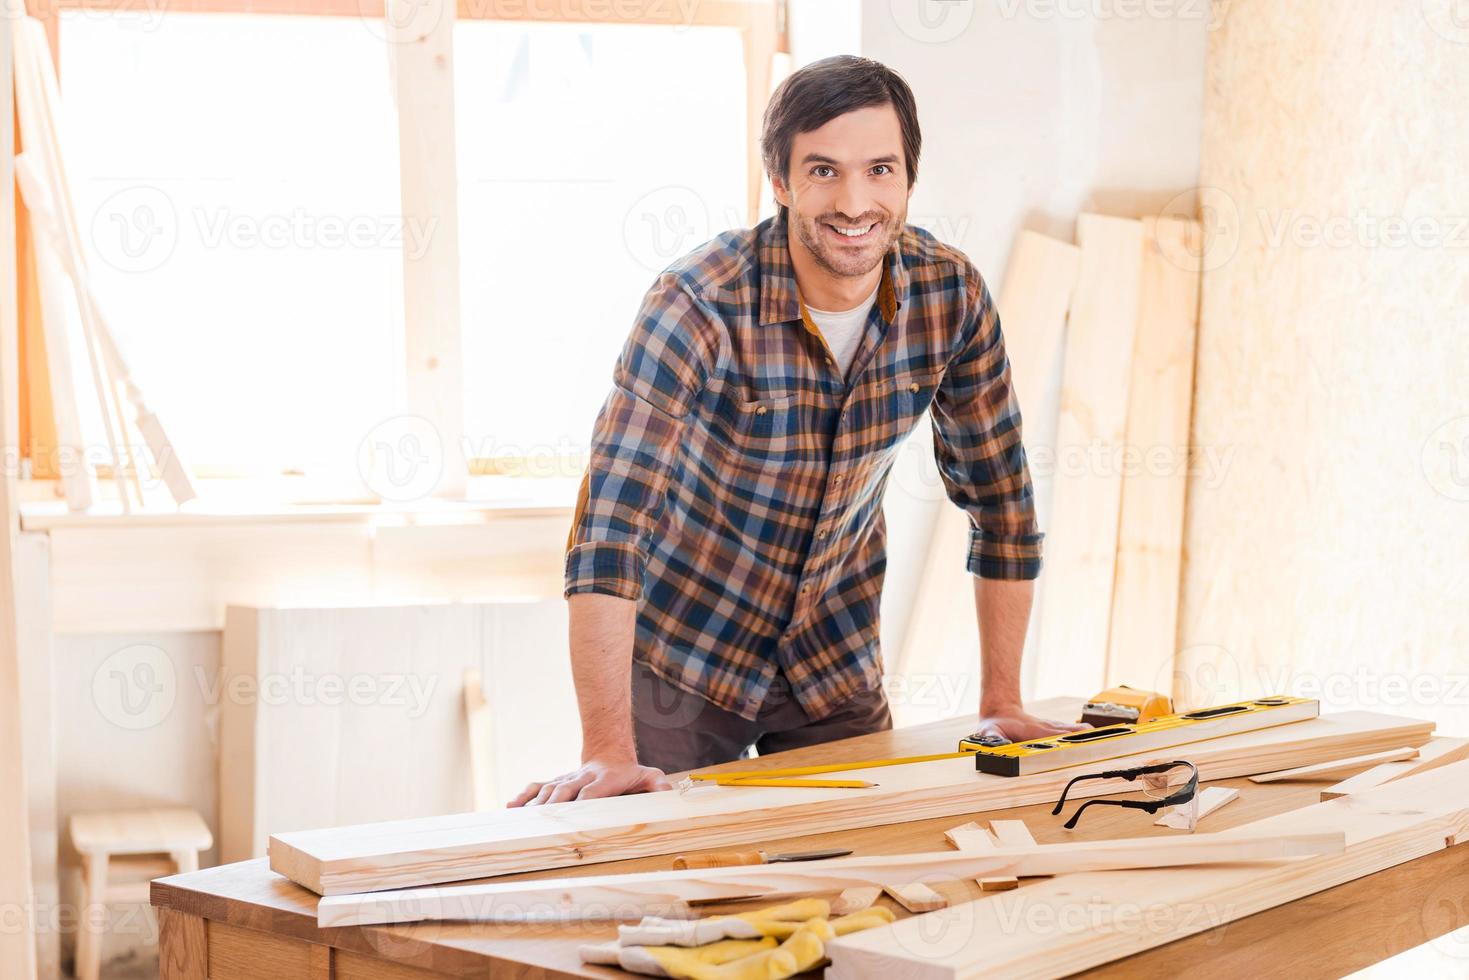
{"points": [[51, 279], [183, 946], [419, 852], [1144, 617], [1032, 304], [39, 737], [1383, 827], [1431, 755], [1339, 767], [608, 895], [1081, 542], [421, 53], [17, 940]]}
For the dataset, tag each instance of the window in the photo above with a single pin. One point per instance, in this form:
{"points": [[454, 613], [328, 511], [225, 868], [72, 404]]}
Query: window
{"points": [[591, 156], [236, 180]]}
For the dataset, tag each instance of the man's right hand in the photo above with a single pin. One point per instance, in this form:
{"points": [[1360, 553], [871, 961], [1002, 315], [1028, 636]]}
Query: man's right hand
{"points": [[594, 780]]}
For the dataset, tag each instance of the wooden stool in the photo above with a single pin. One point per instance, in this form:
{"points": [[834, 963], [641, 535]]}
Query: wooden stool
{"points": [[130, 847]]}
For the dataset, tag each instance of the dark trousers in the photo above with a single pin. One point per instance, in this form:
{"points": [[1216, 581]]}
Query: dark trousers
{"points": [[677, 731]]}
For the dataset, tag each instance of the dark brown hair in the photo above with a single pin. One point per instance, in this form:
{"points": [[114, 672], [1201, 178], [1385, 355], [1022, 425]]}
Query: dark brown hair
{"points": [[816, 94]]}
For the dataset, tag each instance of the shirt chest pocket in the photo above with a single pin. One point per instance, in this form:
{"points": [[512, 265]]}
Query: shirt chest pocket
{"points": [[900, 400], [779, 430]]}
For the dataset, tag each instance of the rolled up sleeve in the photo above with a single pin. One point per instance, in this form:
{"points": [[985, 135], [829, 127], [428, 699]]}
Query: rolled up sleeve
{"points": [[662, 369], [978, 448]]}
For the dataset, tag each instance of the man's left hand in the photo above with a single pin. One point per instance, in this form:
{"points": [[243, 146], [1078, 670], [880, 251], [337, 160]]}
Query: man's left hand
{"points": [[1018, 725]]}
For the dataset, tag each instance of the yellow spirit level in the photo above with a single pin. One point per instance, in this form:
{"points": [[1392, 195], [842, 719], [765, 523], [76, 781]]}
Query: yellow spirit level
{"points": [[1112, 741]]}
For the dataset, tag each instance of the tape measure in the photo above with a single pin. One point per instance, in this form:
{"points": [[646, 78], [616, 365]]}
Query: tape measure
{"points": [[1111, 741]]}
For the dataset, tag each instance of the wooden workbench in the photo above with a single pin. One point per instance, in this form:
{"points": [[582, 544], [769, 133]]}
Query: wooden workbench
{"points": [[243, 920]]}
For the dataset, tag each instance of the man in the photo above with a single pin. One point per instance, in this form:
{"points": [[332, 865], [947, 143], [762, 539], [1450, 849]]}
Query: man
{"points": [[728, 548]]}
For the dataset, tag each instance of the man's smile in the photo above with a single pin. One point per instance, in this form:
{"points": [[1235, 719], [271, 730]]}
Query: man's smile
{"points": [[852, 234]]}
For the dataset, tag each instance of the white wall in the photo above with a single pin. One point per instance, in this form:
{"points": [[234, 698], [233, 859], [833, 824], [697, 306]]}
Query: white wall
{"points": [[1031, 112]]}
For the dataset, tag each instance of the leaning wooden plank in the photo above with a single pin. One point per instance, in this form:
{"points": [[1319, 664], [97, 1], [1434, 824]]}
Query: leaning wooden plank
{"points": [[1081, 541], [71, 446], [1432, 754], [1322, 770], [606, 895], [403, 853], [17, 938], [1160, 397], [1032, 304], [1124, 914]]}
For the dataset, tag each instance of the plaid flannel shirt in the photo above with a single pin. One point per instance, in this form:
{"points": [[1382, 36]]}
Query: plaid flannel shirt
{"points": [[736, 479]]}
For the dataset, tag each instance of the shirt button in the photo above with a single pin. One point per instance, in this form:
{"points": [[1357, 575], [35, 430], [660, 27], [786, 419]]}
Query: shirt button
{"points": [[760, 410], [839, 478], [913, 387], [821, 533], [805, 589]]}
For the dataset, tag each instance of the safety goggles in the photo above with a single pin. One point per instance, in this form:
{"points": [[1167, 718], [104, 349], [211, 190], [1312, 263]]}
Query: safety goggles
{"points": [[1166, 783]]}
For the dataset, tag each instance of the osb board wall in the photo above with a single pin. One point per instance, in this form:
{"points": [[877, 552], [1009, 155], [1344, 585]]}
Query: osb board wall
{"points": [[1327, 553]]}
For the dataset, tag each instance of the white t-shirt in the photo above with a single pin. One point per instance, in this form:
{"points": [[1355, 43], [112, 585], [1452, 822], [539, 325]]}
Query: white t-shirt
{"points": [[843, 331]]}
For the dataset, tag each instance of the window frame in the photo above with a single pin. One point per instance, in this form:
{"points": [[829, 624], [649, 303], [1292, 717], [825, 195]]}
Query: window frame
{"points": [[423, 77]]}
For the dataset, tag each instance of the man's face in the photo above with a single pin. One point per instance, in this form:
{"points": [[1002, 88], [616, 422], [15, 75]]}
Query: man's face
{"points": [[849, 174]]}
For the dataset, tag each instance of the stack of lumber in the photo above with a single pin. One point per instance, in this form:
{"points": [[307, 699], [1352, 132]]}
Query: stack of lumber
{"points": [[1126, 299], [1098, 917], [410, 853]]}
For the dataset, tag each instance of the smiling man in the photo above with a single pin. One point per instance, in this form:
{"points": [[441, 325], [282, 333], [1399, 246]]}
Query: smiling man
{"points": [[728, 549]]}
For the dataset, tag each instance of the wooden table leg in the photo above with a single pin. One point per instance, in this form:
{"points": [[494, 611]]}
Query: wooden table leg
{"points": [[183, 946]]}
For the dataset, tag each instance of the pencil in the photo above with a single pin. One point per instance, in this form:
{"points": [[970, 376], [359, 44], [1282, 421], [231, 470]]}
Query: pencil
{"points": [[799, 783]]}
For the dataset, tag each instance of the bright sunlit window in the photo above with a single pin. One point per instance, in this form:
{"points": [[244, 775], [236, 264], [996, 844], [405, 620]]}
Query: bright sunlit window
{"points": [[236, 180], [590, 157]]}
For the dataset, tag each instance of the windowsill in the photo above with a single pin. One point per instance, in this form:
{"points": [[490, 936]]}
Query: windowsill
{"points": [[232, 502]]}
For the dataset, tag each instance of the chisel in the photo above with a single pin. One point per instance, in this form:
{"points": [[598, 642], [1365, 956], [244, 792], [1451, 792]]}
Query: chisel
{"points": [[730, 859]]}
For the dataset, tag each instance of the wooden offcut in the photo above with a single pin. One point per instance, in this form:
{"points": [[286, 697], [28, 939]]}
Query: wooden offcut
{"points": [[424, 851], [1431, 755], [917, 897], [972, 837], [1384, 827], [1081, 541]]}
